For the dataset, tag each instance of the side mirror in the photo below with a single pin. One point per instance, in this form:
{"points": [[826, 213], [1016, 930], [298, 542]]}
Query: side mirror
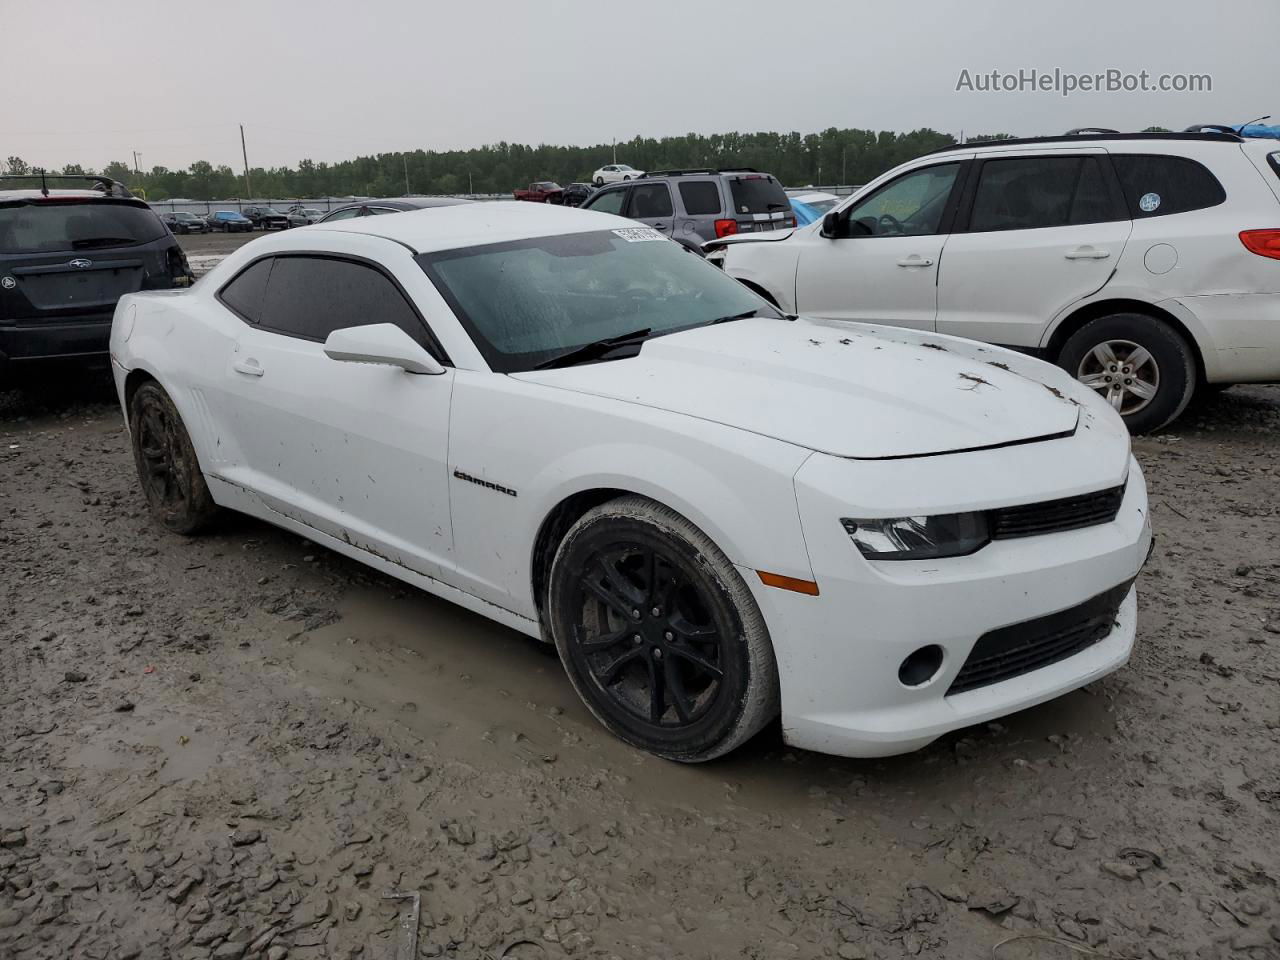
{"points": [[831, 225], [380, 343]]}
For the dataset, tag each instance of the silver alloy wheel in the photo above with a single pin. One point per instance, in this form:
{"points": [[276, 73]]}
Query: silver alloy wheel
{"points": [[1124, 372]]}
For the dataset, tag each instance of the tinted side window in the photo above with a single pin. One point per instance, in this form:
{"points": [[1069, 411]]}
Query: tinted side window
{"points": [[1025, 193], [650, 201], [343, 214], [1274, 160], [310, 297], [1155, 186], [609, 202], [245, 291], [701, 198]]}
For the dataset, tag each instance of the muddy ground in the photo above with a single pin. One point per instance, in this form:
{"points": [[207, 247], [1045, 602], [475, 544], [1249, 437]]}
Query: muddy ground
{"points": [[236, 745]]}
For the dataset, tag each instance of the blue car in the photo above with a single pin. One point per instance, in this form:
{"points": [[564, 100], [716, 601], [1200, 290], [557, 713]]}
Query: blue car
{"points": [[229, 221]]}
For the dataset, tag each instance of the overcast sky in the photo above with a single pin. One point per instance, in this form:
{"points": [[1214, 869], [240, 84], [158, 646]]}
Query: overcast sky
{"points": [[90, 82]]}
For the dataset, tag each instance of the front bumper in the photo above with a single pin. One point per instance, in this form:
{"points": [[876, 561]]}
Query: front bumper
{"points": [[839, 653]]}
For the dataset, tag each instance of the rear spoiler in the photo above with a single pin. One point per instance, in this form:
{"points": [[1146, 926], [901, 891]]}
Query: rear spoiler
{"points": [[109, 187]]}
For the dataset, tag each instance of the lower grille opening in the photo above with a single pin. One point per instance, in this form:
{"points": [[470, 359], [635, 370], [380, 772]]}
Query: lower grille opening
{"points": [[1022, 647]]}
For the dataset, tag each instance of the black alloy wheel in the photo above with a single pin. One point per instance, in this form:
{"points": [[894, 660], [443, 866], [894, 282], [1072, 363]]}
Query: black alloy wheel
{"points": [[168, 470], [658, 633]]}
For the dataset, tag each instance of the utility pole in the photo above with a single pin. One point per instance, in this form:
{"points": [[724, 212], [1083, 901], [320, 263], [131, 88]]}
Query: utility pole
{"points": [[615, 151], [471, 187], [248, 191], [844, 166], [405, 158], [136, 155]]}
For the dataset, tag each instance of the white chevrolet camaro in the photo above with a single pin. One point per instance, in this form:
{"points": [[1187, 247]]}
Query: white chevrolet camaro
{"points": [[717, 513]]}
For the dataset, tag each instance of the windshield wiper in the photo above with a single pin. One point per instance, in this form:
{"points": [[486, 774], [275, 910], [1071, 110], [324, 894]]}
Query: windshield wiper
{"points": [[744, 315], [594, 350]]}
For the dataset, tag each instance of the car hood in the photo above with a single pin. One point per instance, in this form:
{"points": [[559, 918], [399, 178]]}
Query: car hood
{"points": [[851, 390]]}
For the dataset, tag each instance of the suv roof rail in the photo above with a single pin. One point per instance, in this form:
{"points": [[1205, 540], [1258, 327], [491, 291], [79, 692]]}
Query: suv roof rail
{"points": [[1229, 136], [1076, 131], [700, 170], [111, 188], [1211, 128]]}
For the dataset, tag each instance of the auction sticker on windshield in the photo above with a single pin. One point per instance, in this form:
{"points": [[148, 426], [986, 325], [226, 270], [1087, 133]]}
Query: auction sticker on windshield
{"points": [[638, 234]]}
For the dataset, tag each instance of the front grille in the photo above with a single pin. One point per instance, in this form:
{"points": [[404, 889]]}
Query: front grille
{"points": [[1014, 650], [1054, 516]]}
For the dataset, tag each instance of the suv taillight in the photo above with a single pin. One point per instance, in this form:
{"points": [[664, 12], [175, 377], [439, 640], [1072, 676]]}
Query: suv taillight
{"points": [[1265, 243], [179, 269], [726, 228]]}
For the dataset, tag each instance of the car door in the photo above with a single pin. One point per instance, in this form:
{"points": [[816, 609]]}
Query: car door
{"points": [[356, 451], [1035, 233], [650, 203], [881, 263]]}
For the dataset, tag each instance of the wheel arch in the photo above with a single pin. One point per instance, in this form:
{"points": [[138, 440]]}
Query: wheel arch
{"points": [[1076, 319], [555, 524]]}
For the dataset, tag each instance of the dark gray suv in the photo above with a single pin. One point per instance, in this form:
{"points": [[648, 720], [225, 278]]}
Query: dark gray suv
{"points": [[694, 206]]}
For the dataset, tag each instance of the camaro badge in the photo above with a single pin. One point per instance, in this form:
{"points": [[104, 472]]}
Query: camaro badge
{"points": [[484, 483], [80, 263]]}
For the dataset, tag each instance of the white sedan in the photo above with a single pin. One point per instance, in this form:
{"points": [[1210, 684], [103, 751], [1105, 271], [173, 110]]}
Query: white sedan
{"points": [[615, 173], [717, 513]]}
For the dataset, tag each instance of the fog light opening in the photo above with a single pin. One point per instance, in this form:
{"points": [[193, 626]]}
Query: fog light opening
{"points": [[920, 667]]}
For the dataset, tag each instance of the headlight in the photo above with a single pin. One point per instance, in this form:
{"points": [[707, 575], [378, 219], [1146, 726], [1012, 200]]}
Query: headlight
{"points": [[919, 538]]}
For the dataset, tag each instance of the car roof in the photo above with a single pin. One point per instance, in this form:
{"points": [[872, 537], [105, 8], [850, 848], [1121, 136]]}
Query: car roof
{"points": [[476, 224], [1089, 139]]}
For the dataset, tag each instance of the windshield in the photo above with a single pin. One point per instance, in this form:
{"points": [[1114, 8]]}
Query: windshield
{"points": [[758, 194], [45, 226], [270, 212], [530, 300]]}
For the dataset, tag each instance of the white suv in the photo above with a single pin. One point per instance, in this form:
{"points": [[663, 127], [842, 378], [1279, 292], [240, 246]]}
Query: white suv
{"points": [[1144, 264]]}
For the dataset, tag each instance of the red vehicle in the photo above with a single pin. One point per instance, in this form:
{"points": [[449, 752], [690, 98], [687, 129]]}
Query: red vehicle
{"points": [[541, 191]]}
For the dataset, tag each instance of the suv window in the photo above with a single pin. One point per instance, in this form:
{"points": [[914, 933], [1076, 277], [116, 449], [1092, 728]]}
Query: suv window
{"points": [[49, 226], [649, 201], [911, 206], [310, 297], [757, 194], [701, 198], [1025, 193], [245, 291], [1156, 185], [608, 202]]}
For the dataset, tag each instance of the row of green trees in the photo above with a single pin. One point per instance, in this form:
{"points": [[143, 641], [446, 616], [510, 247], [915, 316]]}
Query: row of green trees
{"points": [[830, 157]]}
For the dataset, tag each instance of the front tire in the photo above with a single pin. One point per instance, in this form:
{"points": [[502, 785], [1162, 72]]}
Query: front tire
{"points": [[168, 470], [1142, 366], [599, 181], [658, 633]]}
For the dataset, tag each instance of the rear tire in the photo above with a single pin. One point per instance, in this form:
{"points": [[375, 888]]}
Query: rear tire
{"points": [[1141, 365], [658, 633], [599, 181], [168, 470]]}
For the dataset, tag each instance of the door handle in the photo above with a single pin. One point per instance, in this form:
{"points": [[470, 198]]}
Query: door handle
{"points": [[250, 367], [1087, 253], [915, 261]]}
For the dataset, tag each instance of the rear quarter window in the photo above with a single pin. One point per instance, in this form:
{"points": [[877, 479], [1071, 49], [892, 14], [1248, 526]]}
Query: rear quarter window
{"points": [[1274, 160], [1157, 185], [701, 198], [246, 290], [757, 194], [43, 227]]}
